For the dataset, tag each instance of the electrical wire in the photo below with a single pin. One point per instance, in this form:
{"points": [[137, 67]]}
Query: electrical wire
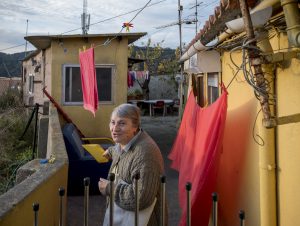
{"points": [[120, 15], [250, 78], [108, 41], [264, 88], [256, 137], [12, 47]]}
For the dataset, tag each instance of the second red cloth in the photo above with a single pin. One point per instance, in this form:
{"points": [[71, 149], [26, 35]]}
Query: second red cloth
{"points": [[196, 153]]}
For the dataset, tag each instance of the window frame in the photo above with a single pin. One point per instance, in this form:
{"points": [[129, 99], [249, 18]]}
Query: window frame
{"points": [[203, 88], [31, 83], [79, 103], [210, 97]]}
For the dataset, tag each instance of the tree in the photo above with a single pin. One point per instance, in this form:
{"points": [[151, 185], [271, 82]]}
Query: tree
{"points": [[170, 65]]}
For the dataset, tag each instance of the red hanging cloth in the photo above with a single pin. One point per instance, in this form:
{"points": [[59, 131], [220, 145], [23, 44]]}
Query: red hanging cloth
{"points": [[195, 154], [88, 80]]}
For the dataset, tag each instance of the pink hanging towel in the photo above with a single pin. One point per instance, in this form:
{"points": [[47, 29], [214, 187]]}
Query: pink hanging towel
{"points": [[195, 154], [88, 80]]}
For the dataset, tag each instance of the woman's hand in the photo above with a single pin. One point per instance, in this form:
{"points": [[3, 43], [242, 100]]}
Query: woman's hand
{"points": [[102, 185], [106, 155]]}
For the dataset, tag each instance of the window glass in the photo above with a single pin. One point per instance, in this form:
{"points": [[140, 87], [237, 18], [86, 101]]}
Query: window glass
{"points": [[73, 91], [212, 87], [104, 83], [200, 96], [31, 85], [72, 84]]}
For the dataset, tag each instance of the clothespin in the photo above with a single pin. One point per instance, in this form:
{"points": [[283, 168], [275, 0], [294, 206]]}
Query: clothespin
{"points": [[83, 47], [92, 45]]}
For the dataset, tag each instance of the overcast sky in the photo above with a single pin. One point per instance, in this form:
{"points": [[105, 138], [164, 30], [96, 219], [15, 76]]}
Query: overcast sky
{"points": [[55, 17]]}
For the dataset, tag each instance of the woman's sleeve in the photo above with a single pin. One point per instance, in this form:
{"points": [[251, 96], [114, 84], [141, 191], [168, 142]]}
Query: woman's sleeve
{"points": [[147, 163]]}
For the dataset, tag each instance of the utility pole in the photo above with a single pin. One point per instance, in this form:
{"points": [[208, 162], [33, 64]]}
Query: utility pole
{"points": [[196, 14], [179, 23], [181, 64], [85, 19], [26, 35], [181, 79]]}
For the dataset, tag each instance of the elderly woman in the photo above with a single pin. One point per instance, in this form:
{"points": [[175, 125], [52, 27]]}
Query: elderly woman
{"points": [[134, 152]]}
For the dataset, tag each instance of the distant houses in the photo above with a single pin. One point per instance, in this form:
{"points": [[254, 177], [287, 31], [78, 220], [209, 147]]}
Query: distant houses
{"points": [[14, 83]]}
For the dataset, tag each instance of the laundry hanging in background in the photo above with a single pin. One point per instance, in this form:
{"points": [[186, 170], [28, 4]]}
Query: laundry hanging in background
{"points": [[195, 154], [129, 80], [88, 80], [140, 74]]}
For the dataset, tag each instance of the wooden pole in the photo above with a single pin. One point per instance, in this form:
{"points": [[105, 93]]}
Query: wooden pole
{"points": [[255, 62]]}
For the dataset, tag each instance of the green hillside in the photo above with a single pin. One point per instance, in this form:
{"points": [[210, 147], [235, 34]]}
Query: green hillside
{"points": [[11, 64]]}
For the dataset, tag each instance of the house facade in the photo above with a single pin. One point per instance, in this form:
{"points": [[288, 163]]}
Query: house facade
{"points": [[55, 68], [259, 170]]}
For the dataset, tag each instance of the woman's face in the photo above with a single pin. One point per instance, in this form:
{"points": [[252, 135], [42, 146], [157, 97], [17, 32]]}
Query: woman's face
{"points": [[122, 129]]}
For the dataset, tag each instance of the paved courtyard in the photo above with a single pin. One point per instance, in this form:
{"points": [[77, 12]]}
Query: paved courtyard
{"points": [[163, 130]]}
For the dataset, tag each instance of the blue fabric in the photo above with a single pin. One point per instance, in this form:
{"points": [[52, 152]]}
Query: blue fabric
{"points": [[81, 164]]}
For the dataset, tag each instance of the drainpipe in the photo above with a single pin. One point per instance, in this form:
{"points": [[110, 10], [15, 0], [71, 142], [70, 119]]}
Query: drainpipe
{"points": [[292, 18], [267, 162], [44, 69]]}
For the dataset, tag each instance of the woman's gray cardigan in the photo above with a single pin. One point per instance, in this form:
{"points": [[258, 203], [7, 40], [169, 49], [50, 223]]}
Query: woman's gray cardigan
{"points": [[144, 157]]}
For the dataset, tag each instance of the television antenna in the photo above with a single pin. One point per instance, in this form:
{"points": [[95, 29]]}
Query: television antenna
{"points": [[184, 21], [85, 19], [196, 13]]}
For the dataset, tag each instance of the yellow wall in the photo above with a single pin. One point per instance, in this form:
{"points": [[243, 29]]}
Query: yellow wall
{"points": [[47, 196], [238, 178], [115, 53], [243, 170], [288, 145]]}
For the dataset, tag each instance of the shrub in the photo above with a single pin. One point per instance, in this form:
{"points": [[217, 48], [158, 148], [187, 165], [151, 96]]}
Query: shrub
{"points": [[13, 151], [9, 99]]}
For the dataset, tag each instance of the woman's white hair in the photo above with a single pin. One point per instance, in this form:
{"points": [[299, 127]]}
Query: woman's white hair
{"points": [[128, 111]]}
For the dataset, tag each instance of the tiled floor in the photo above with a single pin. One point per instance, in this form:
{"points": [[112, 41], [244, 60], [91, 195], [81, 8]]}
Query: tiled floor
{"points": [[163, 130]]}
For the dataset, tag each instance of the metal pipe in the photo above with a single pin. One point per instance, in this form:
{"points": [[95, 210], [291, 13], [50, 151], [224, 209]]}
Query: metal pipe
{"points": [[188, 188], [215, 209], [111, 178], [267, 152], [61, 192], [86, 200], [163, 199], [292, 19], [37, 106], [28, 123], [137, 204], [35, 208]]}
